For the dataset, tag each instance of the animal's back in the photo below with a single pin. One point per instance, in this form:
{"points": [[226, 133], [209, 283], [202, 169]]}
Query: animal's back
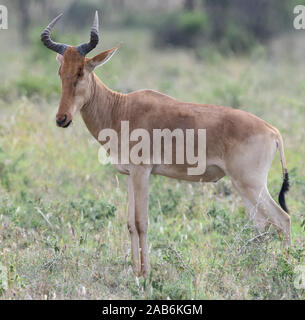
{"points": [[146, 106]]}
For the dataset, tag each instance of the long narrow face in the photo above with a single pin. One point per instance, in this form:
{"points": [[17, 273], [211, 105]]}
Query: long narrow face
{"points": [[75, 84], [75, 70]]}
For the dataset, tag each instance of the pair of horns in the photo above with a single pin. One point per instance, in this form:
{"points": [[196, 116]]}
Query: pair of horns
{"points": [[60, 48]]}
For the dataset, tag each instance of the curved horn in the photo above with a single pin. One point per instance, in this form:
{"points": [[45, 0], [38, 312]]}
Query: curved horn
{"points": [[47, 41], [85, 48]]}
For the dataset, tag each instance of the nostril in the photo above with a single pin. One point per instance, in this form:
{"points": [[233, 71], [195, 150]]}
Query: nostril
{"points": [[61, 120]]}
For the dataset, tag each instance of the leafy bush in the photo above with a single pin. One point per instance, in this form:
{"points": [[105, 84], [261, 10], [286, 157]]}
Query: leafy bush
{"points": [[93, 213], [132, 20], [31, 84], [233, 26], [80, 13], [182, 29], [163, 201], [236, 39], [220, 221]]}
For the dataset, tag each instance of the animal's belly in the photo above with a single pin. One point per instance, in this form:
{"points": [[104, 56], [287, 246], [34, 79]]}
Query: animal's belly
{"points": [[211, 174]]}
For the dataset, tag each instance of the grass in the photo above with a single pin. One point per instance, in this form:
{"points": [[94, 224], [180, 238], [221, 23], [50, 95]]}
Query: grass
{"points": [[63, 218]]}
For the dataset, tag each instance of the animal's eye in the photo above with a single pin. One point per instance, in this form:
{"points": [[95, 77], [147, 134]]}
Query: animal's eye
{"points": [[79, 74]]}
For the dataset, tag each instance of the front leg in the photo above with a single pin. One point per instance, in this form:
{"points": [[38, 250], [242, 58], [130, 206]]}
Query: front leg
{"points": [[132, 229], [140, 181]]}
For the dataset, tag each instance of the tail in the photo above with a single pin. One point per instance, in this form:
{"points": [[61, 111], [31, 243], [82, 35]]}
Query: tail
{"points": [[285, 185]]}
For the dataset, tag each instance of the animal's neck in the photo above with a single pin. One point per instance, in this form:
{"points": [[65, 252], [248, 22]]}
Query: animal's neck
{"points": [[104, 109]]}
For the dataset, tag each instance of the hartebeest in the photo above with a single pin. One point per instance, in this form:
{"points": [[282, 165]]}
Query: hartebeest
{"points": [[238, 144]]}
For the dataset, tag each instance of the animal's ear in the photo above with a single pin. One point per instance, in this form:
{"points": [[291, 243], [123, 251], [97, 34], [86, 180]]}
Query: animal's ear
{"points": [[59, 58], [100, 59]]}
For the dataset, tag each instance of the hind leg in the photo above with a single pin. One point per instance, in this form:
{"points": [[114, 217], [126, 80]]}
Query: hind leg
{"points": [[259, 221], [247, 165], [262, 208]]}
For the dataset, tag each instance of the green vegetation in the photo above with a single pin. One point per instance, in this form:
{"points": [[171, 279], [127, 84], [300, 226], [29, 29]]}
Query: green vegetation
{"points": [[230, 25], [63, 231]]}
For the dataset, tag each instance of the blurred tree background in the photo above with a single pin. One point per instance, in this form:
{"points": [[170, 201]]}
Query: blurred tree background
{"points": [[206, 29], [230, 25]]}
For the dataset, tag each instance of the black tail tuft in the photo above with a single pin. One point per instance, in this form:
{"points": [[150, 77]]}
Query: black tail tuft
{"points": [[284, 189]]}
